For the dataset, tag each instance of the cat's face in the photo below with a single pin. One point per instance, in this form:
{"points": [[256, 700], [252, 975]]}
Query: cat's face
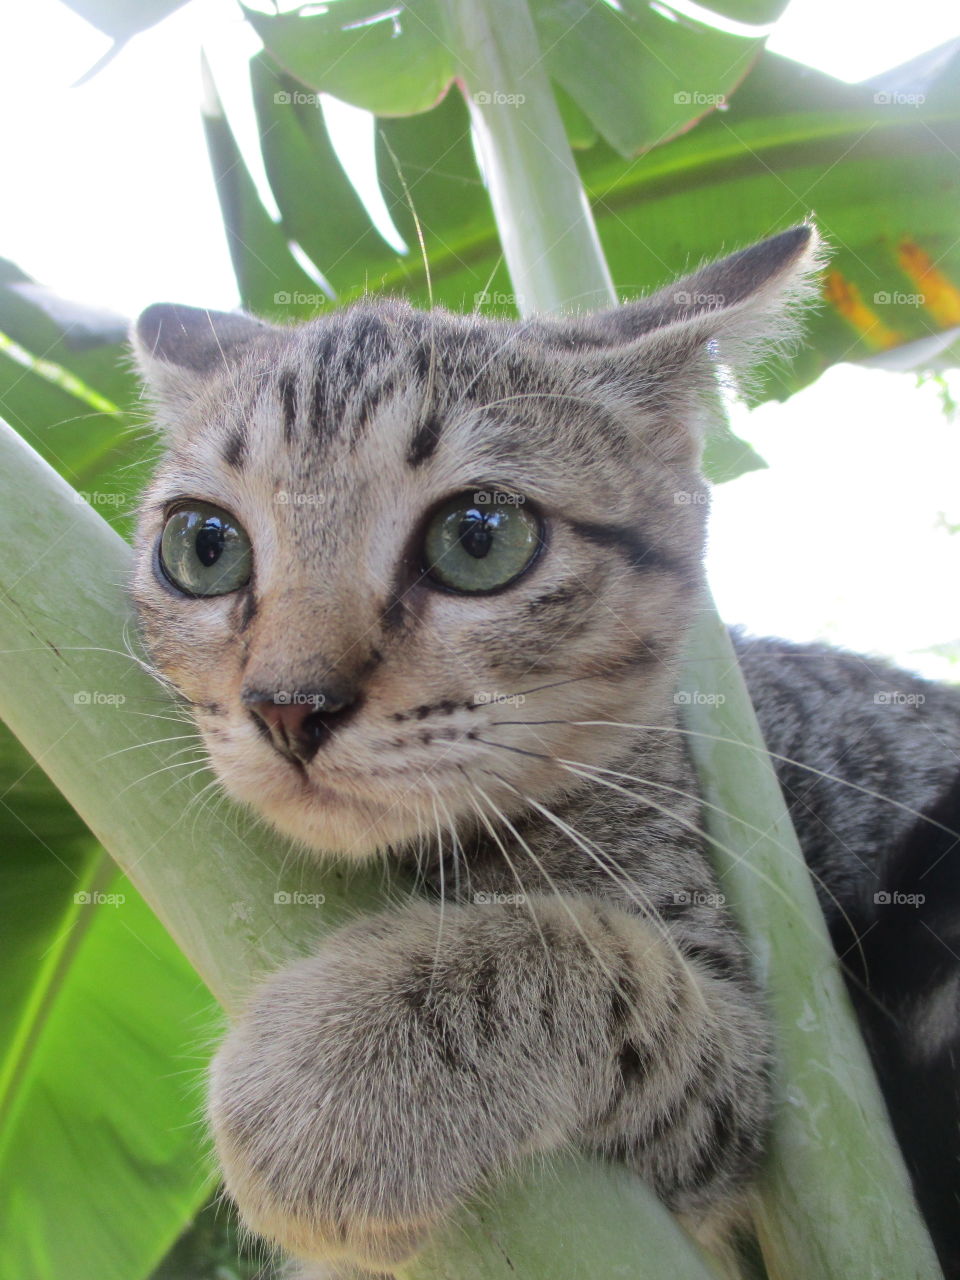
{"points": [[432, 545]]}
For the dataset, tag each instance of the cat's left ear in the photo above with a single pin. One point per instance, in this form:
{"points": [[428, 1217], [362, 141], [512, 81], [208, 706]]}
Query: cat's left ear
{"points": [[180, 348], [661, 353]]}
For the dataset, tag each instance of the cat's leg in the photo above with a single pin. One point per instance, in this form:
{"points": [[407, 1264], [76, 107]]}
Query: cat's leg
{"points": [[371, 1087]]}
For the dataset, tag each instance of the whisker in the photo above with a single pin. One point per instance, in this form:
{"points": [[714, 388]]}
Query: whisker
{"points": [[712, 737], [644, 904], [799, 764], [704, 834], [760, 831], [495, 836], [179, 737], [561, 897]]}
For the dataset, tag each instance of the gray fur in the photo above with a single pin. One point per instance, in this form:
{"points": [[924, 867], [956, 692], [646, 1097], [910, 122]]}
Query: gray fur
{"points": [[580, 982]]}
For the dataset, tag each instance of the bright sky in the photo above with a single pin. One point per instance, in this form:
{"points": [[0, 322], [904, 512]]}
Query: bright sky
{"points": [[108, 198]]}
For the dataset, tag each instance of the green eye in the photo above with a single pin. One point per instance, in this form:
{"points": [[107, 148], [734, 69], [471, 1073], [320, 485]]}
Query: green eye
{"points": [[481, 541], [204, 552]]}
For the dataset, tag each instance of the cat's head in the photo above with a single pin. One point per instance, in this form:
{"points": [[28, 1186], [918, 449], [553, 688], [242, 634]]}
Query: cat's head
{"points": [[391, 558]]}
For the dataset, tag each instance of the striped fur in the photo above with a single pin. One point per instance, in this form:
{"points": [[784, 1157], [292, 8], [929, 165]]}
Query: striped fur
{"points": [[570, 976]]}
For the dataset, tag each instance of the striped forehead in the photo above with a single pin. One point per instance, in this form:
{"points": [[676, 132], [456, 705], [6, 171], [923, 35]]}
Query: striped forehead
{"points": [[323, 390]]}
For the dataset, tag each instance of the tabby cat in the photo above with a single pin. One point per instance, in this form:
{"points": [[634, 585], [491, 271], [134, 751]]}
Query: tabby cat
{"points": [[424, 580]]}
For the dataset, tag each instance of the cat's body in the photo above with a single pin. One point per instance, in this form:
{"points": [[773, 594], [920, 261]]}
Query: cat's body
{"points": [[415, 573], [870, 768]]}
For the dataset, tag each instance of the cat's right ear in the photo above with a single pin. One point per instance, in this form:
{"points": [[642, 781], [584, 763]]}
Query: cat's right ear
{"points": [[178, 349]]}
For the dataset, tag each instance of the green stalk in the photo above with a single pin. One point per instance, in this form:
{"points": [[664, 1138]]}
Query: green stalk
{"points": [[835, 1201], [543, 218]]}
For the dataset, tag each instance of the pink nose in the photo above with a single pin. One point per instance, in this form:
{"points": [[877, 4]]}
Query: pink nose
{"points": [[299, 722]]}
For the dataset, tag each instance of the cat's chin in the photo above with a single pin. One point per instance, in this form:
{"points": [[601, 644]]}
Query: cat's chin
{"points": [[327, 820]]}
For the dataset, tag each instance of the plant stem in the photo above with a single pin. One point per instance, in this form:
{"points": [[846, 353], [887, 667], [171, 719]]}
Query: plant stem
{"points": [[544, 220], [835, 1199]]}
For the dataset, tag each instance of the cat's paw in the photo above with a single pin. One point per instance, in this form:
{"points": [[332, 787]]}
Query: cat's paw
{"points": [[360, 1098]]}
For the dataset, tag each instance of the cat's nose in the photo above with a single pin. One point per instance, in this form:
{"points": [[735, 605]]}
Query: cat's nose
{"points": [[300, 721]]}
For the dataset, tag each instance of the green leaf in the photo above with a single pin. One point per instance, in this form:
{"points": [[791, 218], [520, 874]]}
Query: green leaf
{"points": [[270, 279], [600, 55], [392, 60], [320, 209], [102, 1018], [66, 384], [397, 60], [881, 180], [104, 1030]]}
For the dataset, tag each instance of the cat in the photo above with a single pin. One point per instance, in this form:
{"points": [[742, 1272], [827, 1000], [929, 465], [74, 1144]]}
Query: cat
{"points": [[414, 573]]}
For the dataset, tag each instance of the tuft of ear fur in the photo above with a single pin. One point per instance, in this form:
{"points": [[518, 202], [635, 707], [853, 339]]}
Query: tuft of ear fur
{"points": [[661, 353], [740, 300], [179, 348]]}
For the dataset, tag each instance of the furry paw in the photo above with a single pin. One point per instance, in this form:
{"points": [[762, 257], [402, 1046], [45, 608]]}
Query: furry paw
{"points": [[369, 1089]]}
